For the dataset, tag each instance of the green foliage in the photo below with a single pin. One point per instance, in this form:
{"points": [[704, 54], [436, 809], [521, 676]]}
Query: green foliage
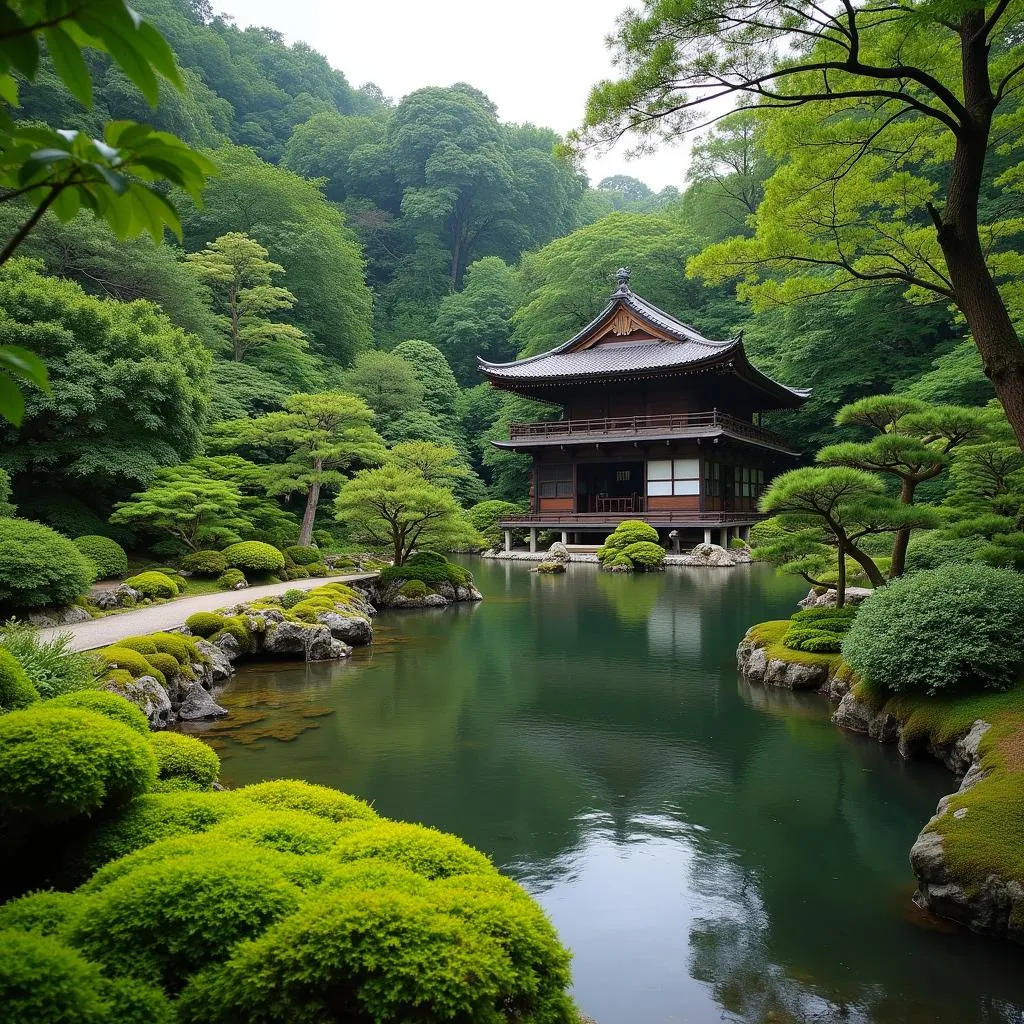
{"points": [[205, 624], [386, 382], [154, 584], [204, 563], [16, 688], [128, 390], [934, 548], [302, 555], [819, 630], [948, 629], [102, 763], [414, 589], [644, 554], [290, 598], [38, 566], [52, 665], [428, 571], [485, 516], [230, 579], [105, 554], [180, 757], [627, 533], [297, 795], [255, 556], [109, 705], [137, 925], [236, 626], [44, 912], [133, 662]]}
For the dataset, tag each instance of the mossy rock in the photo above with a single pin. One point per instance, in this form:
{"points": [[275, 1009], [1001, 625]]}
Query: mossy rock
{"points": [[205, 624], [184, 757]]}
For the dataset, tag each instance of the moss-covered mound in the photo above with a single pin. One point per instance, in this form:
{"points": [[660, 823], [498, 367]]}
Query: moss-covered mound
{"points": [[106, 555], [632, 545]]}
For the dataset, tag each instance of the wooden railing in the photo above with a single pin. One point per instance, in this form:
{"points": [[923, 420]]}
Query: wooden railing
{"points": [[684, 423], [584, 519]]}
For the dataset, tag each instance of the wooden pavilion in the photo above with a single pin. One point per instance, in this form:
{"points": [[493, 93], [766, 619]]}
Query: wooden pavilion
{"points": [[657, 423]]}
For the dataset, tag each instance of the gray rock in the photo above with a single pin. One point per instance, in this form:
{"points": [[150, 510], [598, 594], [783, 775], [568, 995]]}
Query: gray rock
{"points": [[558, 552], [708, 556], [198, 704], [435, 601], [228, 646], [340, 649], [220, 663], [854, 595], [148, 696], [352, 629], [551, 568], [55, 615], [857, 716], [312, 642]]}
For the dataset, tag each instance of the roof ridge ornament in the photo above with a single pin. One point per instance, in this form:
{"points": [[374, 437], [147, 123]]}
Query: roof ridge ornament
{"points": [[622, 276]]}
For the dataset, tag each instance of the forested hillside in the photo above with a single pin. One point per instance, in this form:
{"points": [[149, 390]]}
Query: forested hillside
{"points": [[355, 243]]}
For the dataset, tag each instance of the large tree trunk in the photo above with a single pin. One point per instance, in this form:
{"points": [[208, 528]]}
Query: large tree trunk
{"points": [[309, 516], [867, 564], [902, 539], [976, 292], [841, 581]]}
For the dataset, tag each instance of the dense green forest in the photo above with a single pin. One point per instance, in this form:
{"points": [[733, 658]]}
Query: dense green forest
{"points": [[353, 243]]}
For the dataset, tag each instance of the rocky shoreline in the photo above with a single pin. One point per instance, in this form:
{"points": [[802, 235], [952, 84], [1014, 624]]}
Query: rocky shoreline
{"points": [[995, 906], [703, 556]]}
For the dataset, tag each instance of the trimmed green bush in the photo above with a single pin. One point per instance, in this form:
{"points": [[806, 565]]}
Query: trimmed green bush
{"points": [[204, 563], [161, 922], [297, 795], [154, 584], [45, 912], [101, 702], [429, 570], [132, 661], [56, 763], [231, 579], [644, 554], [287, 831], [627, 533], [932, 549], [323, 538], [43, 981], [166, 664], [38, 566], [427, 558], [840, 616], [414, 589], [106, 555], [144, 645], [177, 645], [944, 630], [254, 556], [290, 598], [236, 626], [16, 689], [184, 757], [52, 665], [303, 555], [205, 624]]}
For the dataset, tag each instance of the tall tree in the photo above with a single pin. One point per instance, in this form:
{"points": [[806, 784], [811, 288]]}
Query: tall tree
{"points": [[236, 270], [386, 382], [312, 441], [867, 104]]}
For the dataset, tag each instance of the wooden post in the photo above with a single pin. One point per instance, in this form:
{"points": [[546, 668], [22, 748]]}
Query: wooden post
{"points": [[723, 536], [565, 536], [745, 534], [707, 535], [533, 538], [508, 540]]}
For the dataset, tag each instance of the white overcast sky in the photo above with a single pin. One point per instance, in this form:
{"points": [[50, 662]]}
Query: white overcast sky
{"points": [[535, 59]]}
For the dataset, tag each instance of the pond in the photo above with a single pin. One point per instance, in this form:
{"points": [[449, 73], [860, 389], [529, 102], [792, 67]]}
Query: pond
{"points": [[710, 851]]}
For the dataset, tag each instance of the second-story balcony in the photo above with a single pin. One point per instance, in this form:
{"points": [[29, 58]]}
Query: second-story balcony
{"points": [[654, 428]]}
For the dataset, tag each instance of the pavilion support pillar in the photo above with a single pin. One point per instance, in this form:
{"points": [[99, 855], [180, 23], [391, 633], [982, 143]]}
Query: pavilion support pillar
{"points": [[745, 534], [723, 536], [707, 535], [565, 536], [508, 540], [533, 538]]}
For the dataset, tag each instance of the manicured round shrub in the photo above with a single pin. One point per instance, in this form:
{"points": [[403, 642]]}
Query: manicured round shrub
{"points": [[427, 558], [102, 702], [323, 538], [422, 850], [414, 589], [627, 533], [38, 566], [308, 610], [133, 662], [429, 571], [205, 624], [254, 556], [290, 598], [942, 630], [287, 831], [134, 1002], [204, 563], [644, 554], [811, 640], [165, 663], [44, 912], [184, 757], [297, 795], [144, 645], [56, 763], [231, 579], [317, 569], [106, 555], [163, 921], [43, 981], [153, 584], [389, 955], [303, 555], [839, 617], [236, 626], [16, 689], [148, 818], [177, 645]]}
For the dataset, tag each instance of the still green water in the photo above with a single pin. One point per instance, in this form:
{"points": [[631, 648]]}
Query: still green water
{"points": [[709, 850]]}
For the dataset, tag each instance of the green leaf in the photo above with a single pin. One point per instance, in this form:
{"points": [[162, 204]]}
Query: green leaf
{"points": [[160, 55], [9, 90], [26, 364], [12, 402], [69, 64]]}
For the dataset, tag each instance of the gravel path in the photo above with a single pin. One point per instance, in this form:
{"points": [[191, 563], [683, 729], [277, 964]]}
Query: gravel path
{"points": [[99, 632]]}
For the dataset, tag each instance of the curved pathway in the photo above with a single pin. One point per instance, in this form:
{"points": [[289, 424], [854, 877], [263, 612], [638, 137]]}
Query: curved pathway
{"points": [[85, 636]]}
